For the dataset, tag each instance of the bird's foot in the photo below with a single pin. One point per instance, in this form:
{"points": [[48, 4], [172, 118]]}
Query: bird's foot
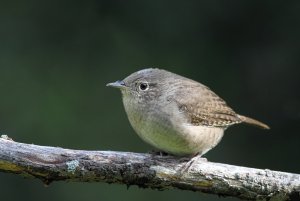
{"points": [[188, 162]]}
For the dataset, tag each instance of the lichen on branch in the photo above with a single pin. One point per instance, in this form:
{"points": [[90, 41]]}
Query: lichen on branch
{"points": [[146, 170]]}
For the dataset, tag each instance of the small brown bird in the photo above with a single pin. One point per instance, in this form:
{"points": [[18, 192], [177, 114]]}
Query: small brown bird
{"points": [[175, 114]]}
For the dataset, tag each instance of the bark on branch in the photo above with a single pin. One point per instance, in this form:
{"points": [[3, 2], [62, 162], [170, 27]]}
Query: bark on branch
{"points": [[147, 171]]}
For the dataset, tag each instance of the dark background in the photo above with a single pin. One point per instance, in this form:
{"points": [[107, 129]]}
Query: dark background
{"points": [[57, 56]]}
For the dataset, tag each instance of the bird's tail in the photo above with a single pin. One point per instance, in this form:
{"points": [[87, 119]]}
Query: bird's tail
{"points": [[254, 122]]}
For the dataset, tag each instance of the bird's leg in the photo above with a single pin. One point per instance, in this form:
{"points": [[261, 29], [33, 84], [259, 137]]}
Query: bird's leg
{"points": [[158, 152], [189, 162]]}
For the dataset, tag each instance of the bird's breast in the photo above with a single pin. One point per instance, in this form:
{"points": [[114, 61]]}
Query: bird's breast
{"points": [[166, 129]]}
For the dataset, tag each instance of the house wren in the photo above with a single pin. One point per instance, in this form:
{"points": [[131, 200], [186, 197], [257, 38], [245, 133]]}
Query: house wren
{"points": [[175, 114]]}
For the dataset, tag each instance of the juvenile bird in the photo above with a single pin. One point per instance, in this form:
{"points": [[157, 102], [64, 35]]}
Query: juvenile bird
{"points": [[175, 114]]}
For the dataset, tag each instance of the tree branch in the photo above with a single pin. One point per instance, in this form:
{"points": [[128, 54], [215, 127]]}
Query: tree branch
{"points": [[147, 171]]}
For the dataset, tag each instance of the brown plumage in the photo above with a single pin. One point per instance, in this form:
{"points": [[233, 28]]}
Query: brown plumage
{"points": [[204, 107], [176, 114]]}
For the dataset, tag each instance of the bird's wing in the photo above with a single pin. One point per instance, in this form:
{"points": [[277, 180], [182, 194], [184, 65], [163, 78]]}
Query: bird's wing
{"points": [[204, 107]]}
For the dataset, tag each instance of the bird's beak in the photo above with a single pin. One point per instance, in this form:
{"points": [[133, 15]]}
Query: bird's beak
{"points": [[118, 84]]}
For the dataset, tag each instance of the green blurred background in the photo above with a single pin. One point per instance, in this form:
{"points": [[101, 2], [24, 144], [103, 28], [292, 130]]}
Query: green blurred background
{"points": [[57, 56]]}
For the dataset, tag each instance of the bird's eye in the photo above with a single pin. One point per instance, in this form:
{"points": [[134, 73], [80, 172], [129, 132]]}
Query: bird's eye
{"points": [[144, 86]]}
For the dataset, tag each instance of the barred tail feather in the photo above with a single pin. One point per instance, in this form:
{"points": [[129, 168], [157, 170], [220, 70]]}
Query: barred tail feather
{"points": [[254, 122]]}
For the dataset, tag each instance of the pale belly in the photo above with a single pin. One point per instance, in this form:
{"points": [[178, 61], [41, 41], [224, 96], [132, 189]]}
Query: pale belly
{"points": [[178, 139]]}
